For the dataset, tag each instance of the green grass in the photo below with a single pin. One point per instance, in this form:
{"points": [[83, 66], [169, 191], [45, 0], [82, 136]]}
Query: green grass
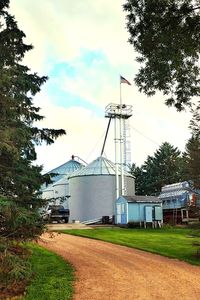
{"points": [[53, 277], [170, 242]]}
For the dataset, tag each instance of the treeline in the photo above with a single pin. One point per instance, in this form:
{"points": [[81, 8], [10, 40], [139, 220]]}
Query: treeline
{"points": [[168, 165]]}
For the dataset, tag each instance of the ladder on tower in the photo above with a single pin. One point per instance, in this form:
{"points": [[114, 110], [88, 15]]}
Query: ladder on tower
{"points": [[127, 149]]}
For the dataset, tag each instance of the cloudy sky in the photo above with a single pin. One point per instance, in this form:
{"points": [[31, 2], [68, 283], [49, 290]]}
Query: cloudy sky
{"points": [[82, 47]]}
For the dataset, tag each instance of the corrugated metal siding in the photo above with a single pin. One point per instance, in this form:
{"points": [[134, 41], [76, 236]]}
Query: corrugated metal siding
{"points": [[91, 197], [130, 184]]}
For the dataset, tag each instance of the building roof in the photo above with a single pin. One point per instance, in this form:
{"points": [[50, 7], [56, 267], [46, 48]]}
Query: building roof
{"points": [[177, 191], [100, 166], [136, 198], [172, 194]]}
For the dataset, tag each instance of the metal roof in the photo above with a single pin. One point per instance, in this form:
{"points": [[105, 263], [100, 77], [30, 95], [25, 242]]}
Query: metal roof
{"points": [[65, 169], [142, 199], [100, 166], [172, 194], [62, 181], [176, 186]]}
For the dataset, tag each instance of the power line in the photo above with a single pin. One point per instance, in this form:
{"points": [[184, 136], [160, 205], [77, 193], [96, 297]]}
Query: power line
{"points": [[148, 138], [93, 149]]}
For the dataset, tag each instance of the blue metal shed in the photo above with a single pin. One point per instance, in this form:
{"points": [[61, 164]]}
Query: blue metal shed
{"points": [[138, 209]]}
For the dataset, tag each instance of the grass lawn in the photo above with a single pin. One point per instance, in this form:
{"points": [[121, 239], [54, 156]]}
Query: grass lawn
{"points": [[173, 242], [53, 277]]}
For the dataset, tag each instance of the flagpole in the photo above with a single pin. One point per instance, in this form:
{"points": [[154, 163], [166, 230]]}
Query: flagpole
{"points": [[121, 143]]}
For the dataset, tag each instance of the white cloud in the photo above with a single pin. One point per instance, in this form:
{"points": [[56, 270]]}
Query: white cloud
{"points": [[85, 132], [60, 31]]}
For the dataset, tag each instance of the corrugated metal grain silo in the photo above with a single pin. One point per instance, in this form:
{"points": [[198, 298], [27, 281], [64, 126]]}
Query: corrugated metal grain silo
{"points": [[59, 189], [93, 192]]}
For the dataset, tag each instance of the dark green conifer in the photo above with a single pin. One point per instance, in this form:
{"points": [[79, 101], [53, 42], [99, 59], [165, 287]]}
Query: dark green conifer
{"points": [[20, 180]]}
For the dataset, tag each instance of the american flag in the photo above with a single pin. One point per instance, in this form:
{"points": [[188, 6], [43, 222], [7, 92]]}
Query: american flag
{"points": [[123, 80]]}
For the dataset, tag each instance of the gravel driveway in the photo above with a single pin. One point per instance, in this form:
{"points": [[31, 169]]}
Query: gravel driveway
{"points": [[110, 272]]}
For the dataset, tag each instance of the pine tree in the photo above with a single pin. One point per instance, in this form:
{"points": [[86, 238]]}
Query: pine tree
{"points": [[166, 166], [192, 155], [19, 178]]}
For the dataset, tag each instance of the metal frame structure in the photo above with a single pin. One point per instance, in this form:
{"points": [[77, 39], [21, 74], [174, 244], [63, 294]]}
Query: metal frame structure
{"points": [[120, 113]]}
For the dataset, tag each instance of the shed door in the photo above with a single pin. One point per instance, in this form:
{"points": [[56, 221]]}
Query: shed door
{"points": [[148, 213], [118, 213], [158, 213]]}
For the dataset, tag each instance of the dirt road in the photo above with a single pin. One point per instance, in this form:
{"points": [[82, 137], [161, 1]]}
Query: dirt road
{"points": [[110, 272]]}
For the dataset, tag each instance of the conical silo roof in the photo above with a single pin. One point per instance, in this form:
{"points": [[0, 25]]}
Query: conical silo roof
{"points": [[100, 166], [62, 180], [66, 169]]}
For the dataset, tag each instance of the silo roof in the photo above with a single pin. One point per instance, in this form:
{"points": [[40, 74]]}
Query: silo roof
{"points": [[63, 180], [65, 169], [100, 166]]}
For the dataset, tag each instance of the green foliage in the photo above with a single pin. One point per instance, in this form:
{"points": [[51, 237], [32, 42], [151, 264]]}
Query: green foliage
{"points": [[192, 157], [165, 167], [19, 178], [53, 277], [195, 121], [171, 242], [166, 34], [19, 222], [192, 151], [14, 266]]}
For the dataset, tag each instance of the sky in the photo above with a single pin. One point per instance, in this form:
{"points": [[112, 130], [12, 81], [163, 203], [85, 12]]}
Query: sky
{"points": [[82, 46]]}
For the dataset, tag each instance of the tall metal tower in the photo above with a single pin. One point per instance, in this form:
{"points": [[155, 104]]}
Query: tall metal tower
{"points": [[120, 113], [127, 144]]}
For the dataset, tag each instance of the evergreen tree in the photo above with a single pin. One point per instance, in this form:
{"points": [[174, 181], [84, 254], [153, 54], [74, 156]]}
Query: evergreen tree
{"points": [[140, 179], [19, 178], [195, 121], [192, 157], [166, 34], [165, 167], [192, 154]]}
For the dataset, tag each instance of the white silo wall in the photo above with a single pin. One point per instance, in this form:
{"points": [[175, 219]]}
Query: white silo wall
{"points": [[130, 185], [93, 196], [48, 193], [61, 191]]}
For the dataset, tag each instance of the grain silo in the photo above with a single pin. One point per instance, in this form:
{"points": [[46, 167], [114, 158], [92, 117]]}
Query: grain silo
{"points": [[58, 190], [93, 190], [61, 190]]}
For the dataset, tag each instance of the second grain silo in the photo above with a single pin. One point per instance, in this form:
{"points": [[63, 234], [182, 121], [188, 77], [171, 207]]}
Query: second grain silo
{"points": [[58, 190], [92, 190]]}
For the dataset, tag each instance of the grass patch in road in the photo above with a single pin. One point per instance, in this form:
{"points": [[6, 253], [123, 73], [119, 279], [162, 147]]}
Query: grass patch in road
{"points": [[170, 242], [53, 277]]}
